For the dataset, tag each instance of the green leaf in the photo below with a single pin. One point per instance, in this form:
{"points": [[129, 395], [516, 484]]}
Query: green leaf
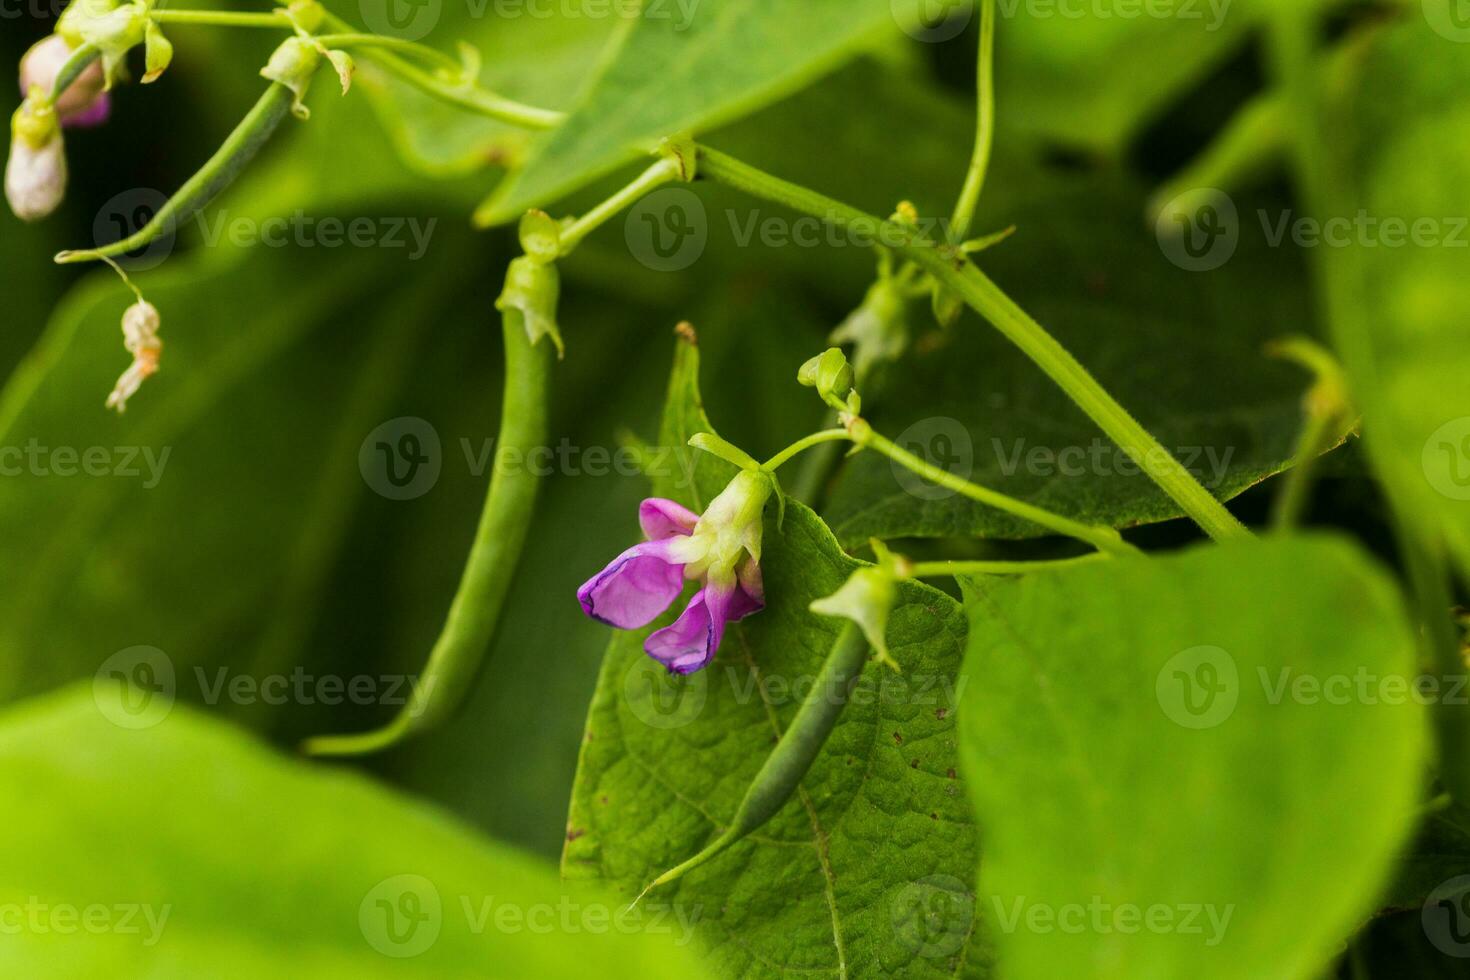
{"points": [[1091, 79], [880, 835], [1402, 120], [1183, 350], [540, 61], [214, 856], [690, 68], [1229, 729]]}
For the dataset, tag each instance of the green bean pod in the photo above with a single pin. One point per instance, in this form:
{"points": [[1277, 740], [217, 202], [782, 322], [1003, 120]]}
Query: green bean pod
{"points": [[794, 754], [238, 149], [504, 524]]}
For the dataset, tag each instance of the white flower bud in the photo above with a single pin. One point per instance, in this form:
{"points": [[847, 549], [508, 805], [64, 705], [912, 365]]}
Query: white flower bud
{"points": [[44, 61], [35, 174]]}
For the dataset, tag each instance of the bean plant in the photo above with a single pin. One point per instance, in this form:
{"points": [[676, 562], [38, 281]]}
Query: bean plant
{"points": [[958, 490]]}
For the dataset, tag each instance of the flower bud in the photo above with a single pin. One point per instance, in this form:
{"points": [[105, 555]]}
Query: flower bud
{"points": [[540, 236], [35, 174], [83, 103], [532, 292], [830, 374]]}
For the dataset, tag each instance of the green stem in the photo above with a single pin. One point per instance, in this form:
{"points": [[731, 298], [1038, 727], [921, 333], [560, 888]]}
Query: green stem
{"points": [[490, 570], [964, 212], [1103, 538], [949, 265], [1429, 579], [238, 149], [802, 445], [1316, 438], [663, 172], [221, 18], [72, 69], [465, 96], [810, 485], [938, 569], [409, 48]]}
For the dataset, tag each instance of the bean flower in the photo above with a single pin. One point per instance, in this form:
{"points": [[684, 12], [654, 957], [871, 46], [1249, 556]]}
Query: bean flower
{"points": [[721, 550], [35, 172], [84, 103]]}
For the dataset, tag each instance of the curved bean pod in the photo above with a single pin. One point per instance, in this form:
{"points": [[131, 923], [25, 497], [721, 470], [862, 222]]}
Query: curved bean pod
{"points": [[794, 754], [238, 149], [504, 524]]}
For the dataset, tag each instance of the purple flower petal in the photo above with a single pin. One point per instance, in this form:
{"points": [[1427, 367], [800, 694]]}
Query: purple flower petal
{"points": [[635, 588], [665, 519], [692, 642], [94, 114]]}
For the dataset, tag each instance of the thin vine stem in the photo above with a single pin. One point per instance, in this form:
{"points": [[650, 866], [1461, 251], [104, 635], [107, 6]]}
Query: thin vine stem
{"points": [[941, 569], [802, 445], [469, 97], [409, 48], [221, 18], [964, 212], [1103, 538], [663, 172], [951, 267]]}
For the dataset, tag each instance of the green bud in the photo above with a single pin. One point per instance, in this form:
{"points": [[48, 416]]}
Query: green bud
{"points": [[830, 374], [532, 292], [158, 52], [866, 598], [540, 237], [293, 65], [306, 14]]}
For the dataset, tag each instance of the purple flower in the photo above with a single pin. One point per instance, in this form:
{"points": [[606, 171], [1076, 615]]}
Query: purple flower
{"points": [[84, 103], [720, 549]]}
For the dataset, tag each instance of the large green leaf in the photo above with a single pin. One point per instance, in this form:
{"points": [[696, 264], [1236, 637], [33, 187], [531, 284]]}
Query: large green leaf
{"points": [[1229, 731], [1089, 76], [1181, 349], [542, 61], [214, 857], [867, 872], [1402, 120], [691, 68]]}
